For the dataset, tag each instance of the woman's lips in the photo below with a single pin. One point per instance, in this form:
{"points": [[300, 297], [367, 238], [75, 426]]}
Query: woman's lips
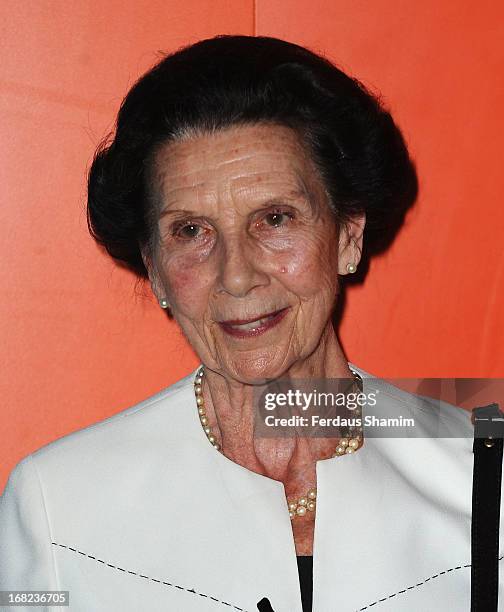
{"points": [[248, 329]]}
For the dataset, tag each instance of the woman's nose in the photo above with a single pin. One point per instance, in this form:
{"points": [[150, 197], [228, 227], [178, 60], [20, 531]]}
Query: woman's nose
{"points": [[240, 268]]}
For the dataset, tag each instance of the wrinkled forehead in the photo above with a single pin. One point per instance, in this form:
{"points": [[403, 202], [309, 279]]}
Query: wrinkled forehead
{"points": [[241, 161]]}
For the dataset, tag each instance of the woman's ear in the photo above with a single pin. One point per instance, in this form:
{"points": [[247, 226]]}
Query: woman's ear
{"points": [[350, 244]]}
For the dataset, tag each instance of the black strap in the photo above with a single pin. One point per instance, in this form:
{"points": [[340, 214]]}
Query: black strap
{"points": [[486, 497]]}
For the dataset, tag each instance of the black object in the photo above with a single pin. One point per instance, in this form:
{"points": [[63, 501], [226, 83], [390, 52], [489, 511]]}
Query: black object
{"points": [[264, 605], [486, 498], [305, 569]]}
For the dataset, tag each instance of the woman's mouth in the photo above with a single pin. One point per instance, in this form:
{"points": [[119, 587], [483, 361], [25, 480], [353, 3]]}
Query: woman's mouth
{"points": [[250, 328]]}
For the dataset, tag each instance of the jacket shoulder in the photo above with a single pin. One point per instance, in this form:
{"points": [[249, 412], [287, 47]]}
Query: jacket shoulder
{"points": [[433, 417], [124, 430]]}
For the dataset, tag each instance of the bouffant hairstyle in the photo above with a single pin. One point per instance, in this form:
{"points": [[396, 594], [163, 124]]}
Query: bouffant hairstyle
{"points": [[231, 80]]}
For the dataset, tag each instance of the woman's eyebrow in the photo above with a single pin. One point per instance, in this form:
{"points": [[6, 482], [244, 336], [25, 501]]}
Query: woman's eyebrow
{"points": [[295, 195], [175, 211], [279, 200]]}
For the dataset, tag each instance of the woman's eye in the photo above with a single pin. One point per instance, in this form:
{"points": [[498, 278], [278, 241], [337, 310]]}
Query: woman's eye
{"points": [[275, 219], [189, 230]]}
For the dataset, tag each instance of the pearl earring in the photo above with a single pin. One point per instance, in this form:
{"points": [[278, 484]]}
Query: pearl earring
{"points": [[351, 268], [163, 302]]}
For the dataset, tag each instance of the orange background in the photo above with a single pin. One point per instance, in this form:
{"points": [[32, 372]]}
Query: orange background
{"points": [[80, 341]]}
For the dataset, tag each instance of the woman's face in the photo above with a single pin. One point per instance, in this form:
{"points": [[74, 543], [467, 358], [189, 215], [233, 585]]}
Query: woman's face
{"points": [[249, 253]]}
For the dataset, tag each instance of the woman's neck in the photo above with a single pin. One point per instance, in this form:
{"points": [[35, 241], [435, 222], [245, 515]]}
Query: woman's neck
{"points": [[291, 460]]}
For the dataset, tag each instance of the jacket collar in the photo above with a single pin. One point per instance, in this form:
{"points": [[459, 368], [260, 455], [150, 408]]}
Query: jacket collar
{"points": [[363, 527]]}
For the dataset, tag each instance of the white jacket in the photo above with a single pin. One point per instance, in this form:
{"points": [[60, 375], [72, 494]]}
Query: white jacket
{"points": [[140, 513]]}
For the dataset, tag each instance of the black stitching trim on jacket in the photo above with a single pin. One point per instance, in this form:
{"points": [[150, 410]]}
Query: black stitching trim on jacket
{"points": [[414, 586], [176, 586]]}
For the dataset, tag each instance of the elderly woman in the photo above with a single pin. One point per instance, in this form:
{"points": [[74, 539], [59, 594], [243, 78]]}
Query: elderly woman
{"points": [[245, 179]]}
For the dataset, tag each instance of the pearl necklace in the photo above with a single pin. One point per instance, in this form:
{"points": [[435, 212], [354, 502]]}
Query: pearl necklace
{"points": [[349, 443]]}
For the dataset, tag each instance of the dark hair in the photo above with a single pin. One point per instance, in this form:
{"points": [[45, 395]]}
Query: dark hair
{"points": [[231, 80]]}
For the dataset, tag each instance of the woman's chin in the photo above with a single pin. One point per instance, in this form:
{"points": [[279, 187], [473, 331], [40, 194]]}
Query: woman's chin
{"points": [[256, 371]]}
